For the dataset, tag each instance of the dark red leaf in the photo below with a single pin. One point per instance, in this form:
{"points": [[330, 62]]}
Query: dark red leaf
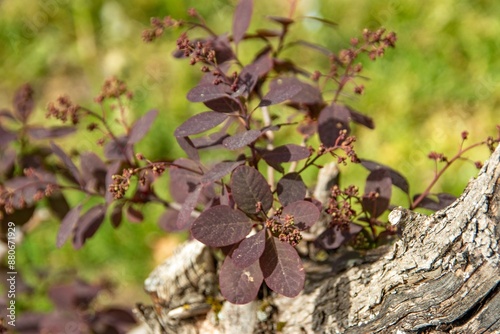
{"points": [[221, 226], [68, 225], [249, 250], [443, 200], [287, 153], [240, 285], [88, 224], [291, 188], [333, 238], [220, 170], [280, 90], [187, 145], [23, 102], [378, 184], [184, 217], [67, 162], [200, 123], [134, 215], [304, 213], [117, 215], [48, 133], [397, 179], [331, 121], [241, 139], [250, 190], [282, 268], [241, 20], [6, 137], [142, 126]]}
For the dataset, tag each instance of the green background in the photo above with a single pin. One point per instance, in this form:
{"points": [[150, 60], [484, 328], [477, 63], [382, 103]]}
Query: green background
{"points": [[442, 78]]}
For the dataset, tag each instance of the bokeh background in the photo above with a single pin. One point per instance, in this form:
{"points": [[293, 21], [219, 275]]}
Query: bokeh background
{"points": [[442, 78]]}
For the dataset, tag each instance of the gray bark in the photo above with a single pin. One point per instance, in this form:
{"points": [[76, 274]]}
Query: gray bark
{"points": [[441, 276]]}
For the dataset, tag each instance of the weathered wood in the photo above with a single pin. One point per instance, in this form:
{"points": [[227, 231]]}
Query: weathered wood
{"points": [[442, 276]]}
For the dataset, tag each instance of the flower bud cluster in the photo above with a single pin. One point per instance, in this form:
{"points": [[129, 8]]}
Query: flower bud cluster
{"points": [[284, 228], [63, 109]]}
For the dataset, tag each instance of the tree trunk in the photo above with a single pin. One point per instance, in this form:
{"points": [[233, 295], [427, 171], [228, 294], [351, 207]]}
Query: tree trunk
{"points": [[441, 276]]}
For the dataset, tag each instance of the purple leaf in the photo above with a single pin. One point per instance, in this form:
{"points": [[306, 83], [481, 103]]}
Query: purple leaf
{"points": [[68, 163], [200, 123], [282, 268], [397, 179], [287, 153], [6, 137], [250, 74], [240, 285], [443, 200], [88, 224], [23, 102], [183, 179], [362, 119], [241, 20], [53, 132], [184, 217], [119, 149], [304, 213], [116, 215], [58, 205], [241, 139], [67, 225], [7, 160], [134, 215], [112, 170], [331, 120], [93, 171], [291, 188], [223, 104], [141, 127], [212, 140], [187, 145], [281, 20], [378, 191], [313, 46], [250, 190], [208, 92], [307, 94], [333, 238], [249, 250], [168, 221], [322, 20], [220, 170], [221, 226], [280, 90]]}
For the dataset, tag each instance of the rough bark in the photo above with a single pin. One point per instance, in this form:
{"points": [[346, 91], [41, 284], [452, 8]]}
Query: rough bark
{"points": [[441, 276]]}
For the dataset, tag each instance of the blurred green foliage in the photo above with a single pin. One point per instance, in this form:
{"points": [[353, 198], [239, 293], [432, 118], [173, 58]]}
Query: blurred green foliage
{"points": [[442, 78]]}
